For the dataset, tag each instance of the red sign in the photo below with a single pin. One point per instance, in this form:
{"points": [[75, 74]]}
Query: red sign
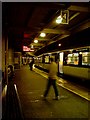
{"points": [[27, 49]]}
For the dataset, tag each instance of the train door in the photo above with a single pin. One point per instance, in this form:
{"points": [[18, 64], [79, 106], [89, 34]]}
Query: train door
{"points": [[61, 62]]}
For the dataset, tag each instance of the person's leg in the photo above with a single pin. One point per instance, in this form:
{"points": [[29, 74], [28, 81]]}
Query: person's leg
{"points": [[30, 67], [47, 88], [55, 88]]}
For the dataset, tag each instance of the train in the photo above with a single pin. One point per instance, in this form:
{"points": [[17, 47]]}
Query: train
{"points": [[71, 62]]}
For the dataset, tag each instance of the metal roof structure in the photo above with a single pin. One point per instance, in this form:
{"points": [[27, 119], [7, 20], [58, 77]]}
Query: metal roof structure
{"points": [[24, 21]]}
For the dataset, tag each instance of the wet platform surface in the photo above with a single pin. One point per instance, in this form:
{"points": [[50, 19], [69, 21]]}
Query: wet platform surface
{"points": [[31, 86]]}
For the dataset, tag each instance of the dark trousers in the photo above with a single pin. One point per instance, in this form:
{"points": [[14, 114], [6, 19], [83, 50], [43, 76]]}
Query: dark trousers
{"points": [[51, 82], [31, 67]]}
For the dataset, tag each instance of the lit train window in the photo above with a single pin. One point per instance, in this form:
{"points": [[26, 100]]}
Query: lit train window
{"points": [[73, 59], [76, 58], [40, 59], [70, 59], [86, 58], [46, 59]]}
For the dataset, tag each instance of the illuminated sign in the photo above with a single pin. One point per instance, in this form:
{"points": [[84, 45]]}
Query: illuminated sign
{"points": [[27, 49], [26, 35], [63, 18]]}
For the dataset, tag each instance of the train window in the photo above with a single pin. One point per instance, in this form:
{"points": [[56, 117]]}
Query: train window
{"points": [[86, 58], [76, 58], [52, 56], [40, 59], [69, 59], [46, 59], [73, 59]]}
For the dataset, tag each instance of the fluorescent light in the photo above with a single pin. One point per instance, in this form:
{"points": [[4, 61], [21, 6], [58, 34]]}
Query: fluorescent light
{"points": [[59, 44], [59, 19], [35, 41], [42, 34]]}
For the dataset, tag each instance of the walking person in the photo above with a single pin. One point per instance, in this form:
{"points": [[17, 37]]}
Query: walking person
{"points": [[52, 77], [31, 64]]}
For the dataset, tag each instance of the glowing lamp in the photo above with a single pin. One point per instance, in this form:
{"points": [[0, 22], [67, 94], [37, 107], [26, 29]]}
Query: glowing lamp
{"points": [[42, 34], [35, 41]]}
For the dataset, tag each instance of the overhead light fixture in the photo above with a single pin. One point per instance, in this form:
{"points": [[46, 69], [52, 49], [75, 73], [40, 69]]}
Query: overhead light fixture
{"points": [[42, 34], [80, 53], [35, 41], [59, 44], [59, 19]]}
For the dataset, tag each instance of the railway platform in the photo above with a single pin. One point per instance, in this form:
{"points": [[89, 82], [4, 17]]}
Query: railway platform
{"points": [[28, 86]]}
